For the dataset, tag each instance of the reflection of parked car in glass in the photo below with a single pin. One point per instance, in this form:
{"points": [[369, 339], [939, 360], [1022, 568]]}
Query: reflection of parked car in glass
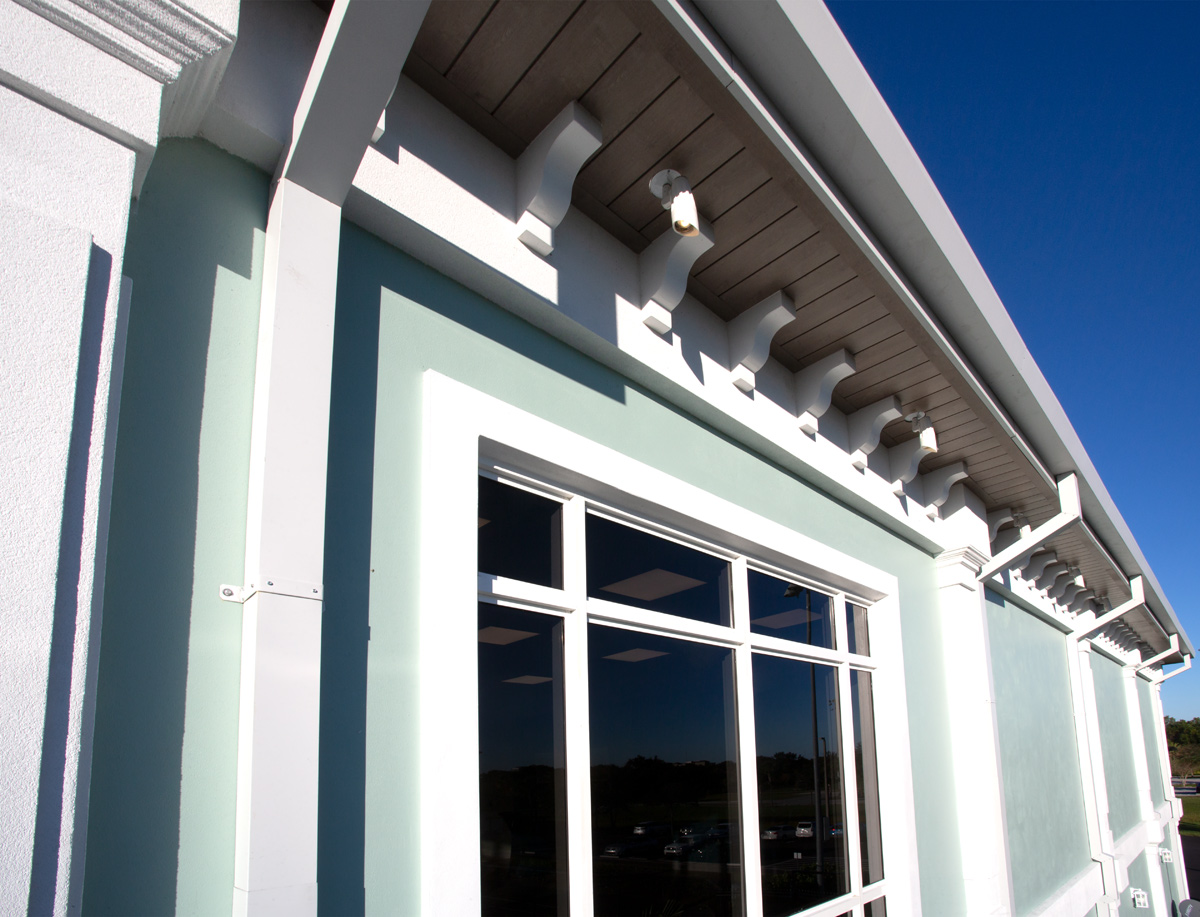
{"points": [[778, 833], [683, 843], [651, 829], [646, 841], [804, 829], [835, 831]]}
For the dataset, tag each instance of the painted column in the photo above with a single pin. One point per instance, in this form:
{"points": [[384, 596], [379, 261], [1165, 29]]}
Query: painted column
{"points": [[978, 789], [354, 72], [79, 123]]}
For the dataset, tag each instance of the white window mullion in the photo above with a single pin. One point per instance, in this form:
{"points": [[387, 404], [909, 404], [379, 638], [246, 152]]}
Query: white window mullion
{"points": [[747, 743], [577, 711], [849, 781]]}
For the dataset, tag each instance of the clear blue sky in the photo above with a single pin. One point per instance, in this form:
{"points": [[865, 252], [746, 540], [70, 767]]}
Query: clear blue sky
{"points": [[1065, 138]]}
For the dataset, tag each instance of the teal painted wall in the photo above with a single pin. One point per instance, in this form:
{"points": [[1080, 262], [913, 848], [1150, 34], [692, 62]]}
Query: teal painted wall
{"points": [[1139, 877], [160, 832], [1043, 787], [1152, 728], [397, 318], [1120, 777]]}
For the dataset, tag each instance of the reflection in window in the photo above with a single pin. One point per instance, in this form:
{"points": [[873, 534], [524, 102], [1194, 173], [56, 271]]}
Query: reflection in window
{"points": [[520, 534], [636, 568], [856, 629], [877, 908], [783, 609], [664, 777], [869, 836], [522, 780], [801, 810]]}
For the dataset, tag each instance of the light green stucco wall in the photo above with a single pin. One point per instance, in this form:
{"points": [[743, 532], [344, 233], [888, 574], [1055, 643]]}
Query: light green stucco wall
{"points": [[1043, 787], [161, 826], [397, 318], [1120, 778], [1152, 727], [1139, 877]]}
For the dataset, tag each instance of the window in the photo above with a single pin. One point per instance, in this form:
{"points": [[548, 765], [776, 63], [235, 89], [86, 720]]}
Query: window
{"points": [[598, 643], [725, 758]]}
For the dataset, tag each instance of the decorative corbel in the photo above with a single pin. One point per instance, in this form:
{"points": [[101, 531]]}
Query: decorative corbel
{"points": [[999, 518], [865, 426], [938, 482], [1062, 584], [1082, 600], [905, 458], [1070, 512], [663, 269], [815, 384], [751, 333], [1169, 651], [1137, 592], [1036, 564], [546, 173], [1069, 594], [1050, 574]]}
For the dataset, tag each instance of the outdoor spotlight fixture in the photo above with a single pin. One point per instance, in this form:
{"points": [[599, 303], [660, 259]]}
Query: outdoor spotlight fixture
{"points": [[919, 421], [675, 192]]}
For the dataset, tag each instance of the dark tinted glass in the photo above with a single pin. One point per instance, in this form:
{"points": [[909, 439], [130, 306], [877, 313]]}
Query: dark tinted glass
{"points": [[783, 609], [869, 835], [520, 534], [801, 810], [636, 568], [522, 781], [856, 629], [664, 777], [877, 908]]}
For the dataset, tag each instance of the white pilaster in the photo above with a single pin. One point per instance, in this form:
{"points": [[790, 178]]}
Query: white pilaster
{"points": [[1095, 785], [978, 786]]}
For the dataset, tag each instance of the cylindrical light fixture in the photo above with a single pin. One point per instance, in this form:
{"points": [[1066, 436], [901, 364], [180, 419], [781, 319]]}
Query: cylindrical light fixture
{"points": [[675, 192]]}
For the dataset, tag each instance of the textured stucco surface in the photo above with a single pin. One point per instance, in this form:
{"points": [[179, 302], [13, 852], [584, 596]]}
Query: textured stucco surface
{"points": [[1151, 731], [163, 786], [1120, 777], [1043, 787]]}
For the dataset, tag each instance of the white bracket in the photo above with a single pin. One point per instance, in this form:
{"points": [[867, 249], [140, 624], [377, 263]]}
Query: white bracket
{"points": [[1079, 604], [295, 588], [997, 519], [866, 425], [1064, 583], [1069, 594], [546, 173], [1164, 855], [1140, 898], [663, 269], [1137, 592], [1070, 512], [905, 458], [1187, 664], [1171, 650], [938, 483], [751, 333], [1050, 575], [815, 384]]}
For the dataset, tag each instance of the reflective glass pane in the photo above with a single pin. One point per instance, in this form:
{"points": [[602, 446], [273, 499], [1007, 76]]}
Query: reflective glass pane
{"points": [[801, 810], [856, 630], [783, 609], [636, 568], [869, 835], [522, 780], [877, 908], [664, 776], [520, 534]]}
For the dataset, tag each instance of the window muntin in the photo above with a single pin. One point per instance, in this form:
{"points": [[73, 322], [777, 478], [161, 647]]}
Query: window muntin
{"points": [[581, 598]]}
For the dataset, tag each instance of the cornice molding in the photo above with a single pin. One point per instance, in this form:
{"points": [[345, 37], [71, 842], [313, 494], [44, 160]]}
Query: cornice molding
{"points": [[156, 37]]}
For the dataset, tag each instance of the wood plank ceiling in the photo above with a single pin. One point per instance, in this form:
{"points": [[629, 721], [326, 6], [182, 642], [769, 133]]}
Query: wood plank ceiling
{"points": [[508, 67]]}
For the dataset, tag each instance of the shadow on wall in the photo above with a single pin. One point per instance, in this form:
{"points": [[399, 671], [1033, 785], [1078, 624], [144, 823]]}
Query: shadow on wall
{"points": [[198, 212]]}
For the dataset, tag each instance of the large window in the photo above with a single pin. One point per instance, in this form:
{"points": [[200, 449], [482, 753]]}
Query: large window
{"points": [[667, 724]]}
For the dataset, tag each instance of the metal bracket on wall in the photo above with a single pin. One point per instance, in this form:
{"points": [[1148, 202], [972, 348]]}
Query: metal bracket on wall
{"points": [[294, 588]]}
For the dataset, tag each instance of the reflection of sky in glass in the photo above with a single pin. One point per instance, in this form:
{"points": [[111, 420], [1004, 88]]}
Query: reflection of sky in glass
{"points": [[636, 568], [674, 706], [787, 696], [516, 687], [781, 609]]}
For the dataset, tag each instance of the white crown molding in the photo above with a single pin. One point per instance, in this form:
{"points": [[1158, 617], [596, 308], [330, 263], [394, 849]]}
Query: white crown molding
{"points": [[156, 37]]}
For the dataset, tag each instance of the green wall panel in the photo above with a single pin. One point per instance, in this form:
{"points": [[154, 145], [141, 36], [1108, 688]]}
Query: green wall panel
{"points": [[1139, 877], [1120, 778], [1152, 728], [397, 318], [1043, 787], [161, 826]]}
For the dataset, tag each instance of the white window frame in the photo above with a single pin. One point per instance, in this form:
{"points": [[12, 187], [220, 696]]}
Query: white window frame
{"points": [[465, 432]]}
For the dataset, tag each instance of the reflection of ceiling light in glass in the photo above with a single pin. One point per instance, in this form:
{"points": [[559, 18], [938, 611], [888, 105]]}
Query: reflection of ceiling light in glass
{"points": [[635, 655], [483, 522], [503, 636], [528, 680], [653, 584]]}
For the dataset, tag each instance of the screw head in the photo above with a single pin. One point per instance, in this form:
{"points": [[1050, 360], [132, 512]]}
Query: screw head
{"points": [[227, 592]]}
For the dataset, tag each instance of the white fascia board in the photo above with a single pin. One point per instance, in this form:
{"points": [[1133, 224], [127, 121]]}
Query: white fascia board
{"points": [[446, 197], [843, 121]]}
